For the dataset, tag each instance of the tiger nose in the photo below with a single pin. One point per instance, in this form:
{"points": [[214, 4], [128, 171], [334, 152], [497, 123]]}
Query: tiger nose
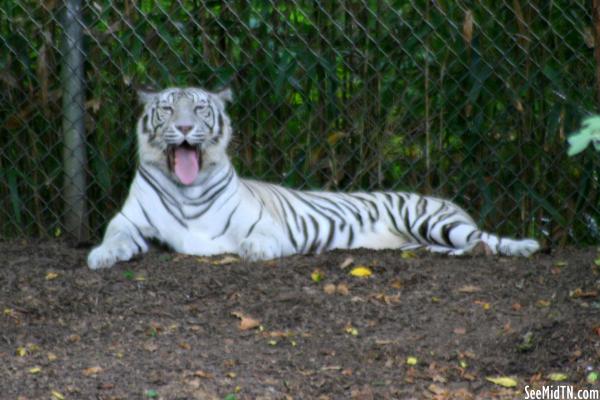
{"points": [[184, 128]]}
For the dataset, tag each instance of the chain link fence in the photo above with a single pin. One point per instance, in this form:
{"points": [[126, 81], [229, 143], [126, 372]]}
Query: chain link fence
{"points": [[467, 100]]}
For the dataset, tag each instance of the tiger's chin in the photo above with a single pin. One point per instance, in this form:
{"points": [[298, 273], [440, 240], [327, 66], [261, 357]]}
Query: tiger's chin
{"points": [[184, 161]]}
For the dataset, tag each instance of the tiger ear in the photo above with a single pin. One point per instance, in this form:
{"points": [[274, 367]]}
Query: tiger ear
{"points": [[226, 95], [146, 95]]}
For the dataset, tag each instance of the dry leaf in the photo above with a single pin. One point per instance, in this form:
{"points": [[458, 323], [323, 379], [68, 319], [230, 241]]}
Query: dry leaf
{"points": [[460, 331], [543, 303], [226, 260], [35, 370], [202, 374], [558, 377], [397, 284], [437, 390], [246, 322], [347, 262], [92, 371], [342, 289], [469, 289], [329, 288], [51, 275], [317, 275], [504, 381], [412, 360], [57, 395], [361, 271], [579, 293]]}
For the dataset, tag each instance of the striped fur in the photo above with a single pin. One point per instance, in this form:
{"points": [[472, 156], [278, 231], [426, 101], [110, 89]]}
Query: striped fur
{"points": [[221, 213]]}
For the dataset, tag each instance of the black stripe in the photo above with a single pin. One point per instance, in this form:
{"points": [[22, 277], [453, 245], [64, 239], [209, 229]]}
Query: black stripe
{"points": [[162, 200], [446, 232], [331, 234], [350, 236], [256, 222], [228, 222], [304, 233], [470, 235], [146, 215], [316, 242]]}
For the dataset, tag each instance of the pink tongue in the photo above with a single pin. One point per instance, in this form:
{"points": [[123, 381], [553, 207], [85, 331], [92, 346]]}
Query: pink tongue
{"points": [[186, 165]]}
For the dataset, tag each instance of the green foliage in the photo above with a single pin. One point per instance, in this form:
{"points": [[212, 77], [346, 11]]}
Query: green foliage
{"points": [[340, 95], [589, 133]]}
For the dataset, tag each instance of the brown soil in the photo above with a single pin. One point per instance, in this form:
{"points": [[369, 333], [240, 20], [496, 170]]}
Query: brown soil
{"points": [[168, 326]]}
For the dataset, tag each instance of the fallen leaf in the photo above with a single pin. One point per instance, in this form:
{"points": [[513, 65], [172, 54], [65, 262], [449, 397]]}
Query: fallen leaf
{"points": [[469, 289], [346, 263], [202, 374], [407, 255], [351, 330], [460, 331], [561, 264], [21, 351], [412, 360], [246, 322], [92, 371], [151, 393], [57, 395], [51, 275], [35, 370], [52, 357], [516, 307], [397, 284], [485, 305], [317, 275], [437, 390], [226, 260], [543, 303], [504, 381], [557, 377], [150, 347], [342, 289], [185, 346], [361, 271], [329, 288], [592, 377], [579, 293]]}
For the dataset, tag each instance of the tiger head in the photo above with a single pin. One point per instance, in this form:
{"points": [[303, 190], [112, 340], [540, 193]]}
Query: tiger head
{"points": [[183, 131]]}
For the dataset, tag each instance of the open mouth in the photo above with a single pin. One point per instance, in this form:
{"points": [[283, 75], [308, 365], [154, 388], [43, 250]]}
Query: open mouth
{"points": [[185, 161]]}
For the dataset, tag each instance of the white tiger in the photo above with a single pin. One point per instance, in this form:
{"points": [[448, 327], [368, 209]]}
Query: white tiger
{"points": [[187, 195]]}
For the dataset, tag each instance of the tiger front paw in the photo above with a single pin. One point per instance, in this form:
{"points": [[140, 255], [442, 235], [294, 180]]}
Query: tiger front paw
{"points": [[106, 255], [259, 247]]}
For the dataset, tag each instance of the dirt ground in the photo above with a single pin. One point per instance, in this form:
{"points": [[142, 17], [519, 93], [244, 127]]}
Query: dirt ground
{"points": [[169, 326]]}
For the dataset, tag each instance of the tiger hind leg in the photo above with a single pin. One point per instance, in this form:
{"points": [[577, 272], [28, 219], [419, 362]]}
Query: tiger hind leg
{"points": [[464, 238]]}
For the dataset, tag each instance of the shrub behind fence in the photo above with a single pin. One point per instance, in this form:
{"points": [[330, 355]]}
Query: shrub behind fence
{"points": [[466, 100]]}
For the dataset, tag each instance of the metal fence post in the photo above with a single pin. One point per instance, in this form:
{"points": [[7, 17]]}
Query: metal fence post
{"points": [[74, 155]]}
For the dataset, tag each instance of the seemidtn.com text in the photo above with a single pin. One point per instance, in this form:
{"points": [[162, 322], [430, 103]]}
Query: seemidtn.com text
{"points": [[561, 392]]}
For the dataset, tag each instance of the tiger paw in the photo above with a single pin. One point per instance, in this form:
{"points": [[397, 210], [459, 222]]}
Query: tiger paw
{"points": [[259, 247], [105, 256]]}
